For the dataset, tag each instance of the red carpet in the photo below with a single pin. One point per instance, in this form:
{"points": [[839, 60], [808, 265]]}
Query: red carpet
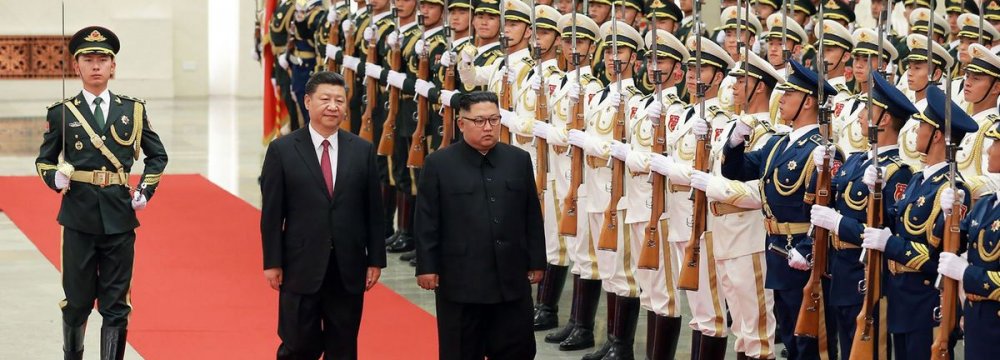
{"points": [[198, 290]]}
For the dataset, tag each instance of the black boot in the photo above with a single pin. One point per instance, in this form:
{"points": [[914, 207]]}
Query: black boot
{"points": [[563, 333], [405, 242], [113, 343], [549, 292], [668, 333], [712, 348], [612, 306], [695, 344], [650, 333], [73, 341], [741, 356], [389, 213], [582, 336], [624, 329]]}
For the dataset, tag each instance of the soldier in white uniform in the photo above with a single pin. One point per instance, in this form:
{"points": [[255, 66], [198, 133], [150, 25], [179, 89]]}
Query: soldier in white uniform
{"points": [[837, 45], [620, 285], [918, 20], [968, 34], [659, 294], [851, 136], [917, 83], [733, 17], [796, 46], [578, 332], [982, 87], [734, 231], [708, 321]]}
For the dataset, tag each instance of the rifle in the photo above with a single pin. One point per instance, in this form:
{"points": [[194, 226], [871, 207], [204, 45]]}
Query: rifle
{"points": [[348, 73], [388, 141], [333, 38], [946, 312], [541, 113], [865, 344], [568, 220], [505, 91], [447, 113], [649, 258], [807, 324], [689, 274], [418, 145], [608, 239], [371, 85]]}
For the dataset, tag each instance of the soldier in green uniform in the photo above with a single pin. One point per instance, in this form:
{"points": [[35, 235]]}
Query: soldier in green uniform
{"points": [[278, 37], [99, 135], [459, 20]]}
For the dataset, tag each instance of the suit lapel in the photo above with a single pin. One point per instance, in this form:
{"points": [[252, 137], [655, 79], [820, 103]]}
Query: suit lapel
{"points": [[114, 111], [307, 152], [343, 162]]}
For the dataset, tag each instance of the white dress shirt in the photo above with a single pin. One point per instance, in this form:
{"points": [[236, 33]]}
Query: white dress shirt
{"points": [[798, 133], [317, 140], [105, 104]]}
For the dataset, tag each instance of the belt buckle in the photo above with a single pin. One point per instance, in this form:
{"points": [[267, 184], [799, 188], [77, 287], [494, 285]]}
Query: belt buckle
{"points": [[101, 178]]}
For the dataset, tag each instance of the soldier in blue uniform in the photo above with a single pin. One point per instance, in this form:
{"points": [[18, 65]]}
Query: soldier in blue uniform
{"points": [[99, 135], [846, 220], [788, 175], [980, 272], [911, 240], [302, 51]]}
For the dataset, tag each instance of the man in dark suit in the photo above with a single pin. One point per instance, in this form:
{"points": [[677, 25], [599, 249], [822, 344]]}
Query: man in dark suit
{"points": [[480, 242], [321, 227]]}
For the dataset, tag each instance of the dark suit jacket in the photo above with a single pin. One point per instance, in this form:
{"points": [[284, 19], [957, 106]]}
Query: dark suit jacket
{"points": [[479, 223], [301, 225]]}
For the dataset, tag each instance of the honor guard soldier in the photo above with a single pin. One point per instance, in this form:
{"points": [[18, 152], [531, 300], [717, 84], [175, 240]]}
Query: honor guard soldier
{"points": [[847, 217], [838, 43], [613, 108], [750, 27], [764, 9], [353, 29], [968, 34], [920, 19], [659, 295], [918, 84], [98, 134], [802, 11], [687, 22], [515, 70], [600, 12], [785, 166], [783, 36], [839, 11], [301, 54], [574, 92], [979, 272], [460, 20], [668, 17], [851, 136], [278, 36], [707, 309], [911, 241], [477, 65], [955, 9], [981, 88], [737, 239], [991, 14]]}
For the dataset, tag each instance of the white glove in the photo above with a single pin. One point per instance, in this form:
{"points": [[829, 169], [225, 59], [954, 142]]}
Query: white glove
{"points": [[817, 155], [797, 261], [373, 71], [573, 91], [535, 82], [870, 176], [392, 39], [825, 217], [654, 110], [418, 48], [620, 150], [739, 132], [395, 79], [331, 16], [782, 129], [700, 126], [557, 136], [875, 238], [331, 51], [446, 95], [947, 199], [347, 27], [578, 138], [511, 75], [352, 63], [508, 118], [283, 61], [448, 59], [369, 33], [541, 129], [468, 57], [952, 265], [665, 165], [614, 98], [700, 180], [138, 201], [423, 87], [62, 181]]}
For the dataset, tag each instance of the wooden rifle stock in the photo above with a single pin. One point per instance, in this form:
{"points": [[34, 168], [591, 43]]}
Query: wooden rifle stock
{"points": [[807, 323], [541, 146], [570, 210], [608, 239], [447, 112], [333, 38], [946, 312], [505, 103], [866, 340], [371, 87], [418, 147], [691, 267], [348, 79], [649, 258], [387, 143]]}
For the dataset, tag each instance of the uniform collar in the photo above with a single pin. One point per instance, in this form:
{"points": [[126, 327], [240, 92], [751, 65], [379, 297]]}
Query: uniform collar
{"points": [[929, 171], [983, 114], [626, 83], [554, 62], [379, 17], [407, 27], [519, 55], [483, 49], [105, 95], [430, 32], [462, 39], [796, 134]]}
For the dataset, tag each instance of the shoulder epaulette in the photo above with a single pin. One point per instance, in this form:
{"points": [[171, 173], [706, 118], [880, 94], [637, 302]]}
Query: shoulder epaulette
{"points": [[993, 117], [816, 138], [551, 70], [57, 103], [715, 110], [842, 88], [138, 100]]}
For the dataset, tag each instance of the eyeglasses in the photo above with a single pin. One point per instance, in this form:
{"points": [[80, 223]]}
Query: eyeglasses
{"points": [[481, 122]]}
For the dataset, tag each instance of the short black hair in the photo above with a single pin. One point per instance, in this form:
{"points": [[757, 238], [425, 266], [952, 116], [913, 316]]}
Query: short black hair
{"points": [[465, 101], [324, 77]]}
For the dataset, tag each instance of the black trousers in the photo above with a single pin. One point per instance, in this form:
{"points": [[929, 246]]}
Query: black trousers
{"points": [[326, 322], [400, 172], [502, 331], [97, 267]]}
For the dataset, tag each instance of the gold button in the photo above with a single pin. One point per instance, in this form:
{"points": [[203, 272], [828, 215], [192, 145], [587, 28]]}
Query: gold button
{"points": [[927, 282]]}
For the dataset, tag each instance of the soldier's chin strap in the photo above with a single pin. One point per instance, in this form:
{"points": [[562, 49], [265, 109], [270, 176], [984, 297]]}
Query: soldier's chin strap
{"points": [[993, 81], [752, 89], [927, 148], [801, 105]]}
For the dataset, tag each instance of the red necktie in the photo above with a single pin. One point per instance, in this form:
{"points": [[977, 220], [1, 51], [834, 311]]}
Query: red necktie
{"points": [[324, 165]]}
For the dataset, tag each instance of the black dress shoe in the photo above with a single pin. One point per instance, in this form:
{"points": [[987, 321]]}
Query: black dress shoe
{"points": [[602, 351], [392, 238], [784, 353], [408, 256], [559, 335], [413, 262], [545, 318], [580, 338], [404, 244]]}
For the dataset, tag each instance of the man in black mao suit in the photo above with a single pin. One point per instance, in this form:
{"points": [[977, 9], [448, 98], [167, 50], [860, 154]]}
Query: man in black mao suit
{"points": [[480, 242], [321, 226]]}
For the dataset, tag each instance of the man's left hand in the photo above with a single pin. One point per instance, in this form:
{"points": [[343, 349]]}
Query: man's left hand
{"points": [[535, 276], [372, 278]]}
